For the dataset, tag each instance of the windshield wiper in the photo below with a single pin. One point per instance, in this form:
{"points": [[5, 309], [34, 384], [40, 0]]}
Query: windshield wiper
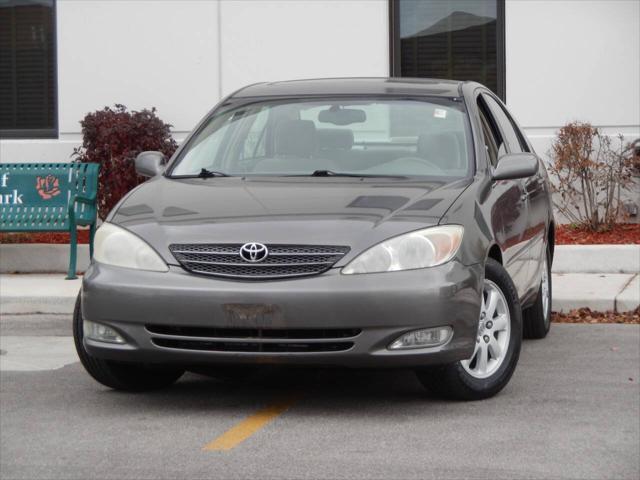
{"points": [[204, 173], [331, 173]]}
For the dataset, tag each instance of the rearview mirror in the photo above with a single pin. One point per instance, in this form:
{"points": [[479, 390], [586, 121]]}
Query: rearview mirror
{"points": [[342, 116], [150, 164], [516, 165]]}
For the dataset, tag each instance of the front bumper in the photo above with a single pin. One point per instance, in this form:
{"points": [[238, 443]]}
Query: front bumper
{"points": [[380, 306]]}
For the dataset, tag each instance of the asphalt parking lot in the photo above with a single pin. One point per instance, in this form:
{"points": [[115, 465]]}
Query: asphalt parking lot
{"points": [[572, 410]]}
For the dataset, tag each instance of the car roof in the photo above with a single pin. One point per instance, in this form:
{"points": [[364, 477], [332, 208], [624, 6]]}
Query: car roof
{"points": [[354, 86]]}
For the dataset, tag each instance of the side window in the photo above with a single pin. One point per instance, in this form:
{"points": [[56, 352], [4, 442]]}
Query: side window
{"points": [[514, 142], [489, 141], [492, 138]]}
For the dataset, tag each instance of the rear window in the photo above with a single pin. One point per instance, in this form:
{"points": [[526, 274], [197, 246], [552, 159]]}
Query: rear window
{"points": [[423, 138]]}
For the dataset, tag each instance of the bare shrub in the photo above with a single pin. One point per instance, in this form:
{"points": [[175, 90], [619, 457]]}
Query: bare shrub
{"points": [[591, 173]]}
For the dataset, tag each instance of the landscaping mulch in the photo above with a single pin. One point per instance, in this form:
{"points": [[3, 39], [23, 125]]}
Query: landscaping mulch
{"points": [[622, 233], [43, 237], [585, 315]]}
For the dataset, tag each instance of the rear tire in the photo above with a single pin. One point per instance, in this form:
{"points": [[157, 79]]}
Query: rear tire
{"points": [[536, 320], [497, 345], [129, 377]]}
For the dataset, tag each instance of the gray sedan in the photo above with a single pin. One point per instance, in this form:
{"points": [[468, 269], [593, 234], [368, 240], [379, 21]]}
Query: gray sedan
{"points": [[337, 222]]}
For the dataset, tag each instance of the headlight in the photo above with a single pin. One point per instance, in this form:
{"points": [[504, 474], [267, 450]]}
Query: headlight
{"points": [[116, 246], [420, 249]]}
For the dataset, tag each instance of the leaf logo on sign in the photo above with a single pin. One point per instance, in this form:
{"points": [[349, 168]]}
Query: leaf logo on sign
{"points": [[48, 187]]}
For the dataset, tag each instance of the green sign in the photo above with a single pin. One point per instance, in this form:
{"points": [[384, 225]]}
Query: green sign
{"points": [[23, 188]]}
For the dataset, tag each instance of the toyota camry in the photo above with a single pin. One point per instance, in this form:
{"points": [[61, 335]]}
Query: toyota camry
{"points": [[397, 223]]}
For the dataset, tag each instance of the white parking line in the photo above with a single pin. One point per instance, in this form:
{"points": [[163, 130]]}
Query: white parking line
{"points": [[28, 354]]}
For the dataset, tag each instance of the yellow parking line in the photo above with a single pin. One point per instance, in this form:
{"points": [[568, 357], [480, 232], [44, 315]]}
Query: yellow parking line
{"points": [[250, 425]]}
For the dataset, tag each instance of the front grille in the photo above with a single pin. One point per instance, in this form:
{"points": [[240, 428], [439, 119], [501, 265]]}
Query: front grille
{"points": [[283, 261], [272, 340], [254, 333], [279, 347]]}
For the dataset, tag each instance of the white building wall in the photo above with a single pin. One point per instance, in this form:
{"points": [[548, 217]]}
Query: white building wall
{"points": [[566, 60], [181, 56], [139, 53], [285, 40], [573, 60]]}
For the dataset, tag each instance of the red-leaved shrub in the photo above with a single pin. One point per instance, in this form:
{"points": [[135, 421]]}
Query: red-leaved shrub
{"points": [[113, 137]]}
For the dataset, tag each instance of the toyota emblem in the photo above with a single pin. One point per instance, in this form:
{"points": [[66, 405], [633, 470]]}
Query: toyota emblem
{"points": [[253, 252]]}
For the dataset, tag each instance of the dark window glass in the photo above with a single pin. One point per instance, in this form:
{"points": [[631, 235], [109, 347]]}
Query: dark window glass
{"points": [[451, 39], [491, 141], [27, 68], [427, 138], [492, 126], [506, 126]]}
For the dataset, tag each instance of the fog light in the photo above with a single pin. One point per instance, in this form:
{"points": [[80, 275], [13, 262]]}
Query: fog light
{"points": [[100, 333], [426, 337]]}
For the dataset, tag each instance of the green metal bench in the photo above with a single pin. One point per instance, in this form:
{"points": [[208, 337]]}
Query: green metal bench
{"points": [[50, 197]]}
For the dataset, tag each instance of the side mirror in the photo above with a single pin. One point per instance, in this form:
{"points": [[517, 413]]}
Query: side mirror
{"points": [[516, 165], [150, 164]]}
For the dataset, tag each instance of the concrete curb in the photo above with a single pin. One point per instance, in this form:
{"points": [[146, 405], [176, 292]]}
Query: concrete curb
{"points": [[51, 258], [629, 298], [597, 259], [599, 277], [52, 294], [600, 292], [40, 258]]}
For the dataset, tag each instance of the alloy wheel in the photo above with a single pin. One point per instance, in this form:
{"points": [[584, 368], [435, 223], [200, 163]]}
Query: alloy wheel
{"points": [[494, 330]]}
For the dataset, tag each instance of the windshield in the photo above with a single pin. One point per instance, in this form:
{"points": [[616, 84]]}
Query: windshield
{"points": [[371, 137]]}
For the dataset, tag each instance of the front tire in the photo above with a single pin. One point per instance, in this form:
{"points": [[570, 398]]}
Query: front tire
{"points": [[498, 343], [129, 377], [536, 320]]}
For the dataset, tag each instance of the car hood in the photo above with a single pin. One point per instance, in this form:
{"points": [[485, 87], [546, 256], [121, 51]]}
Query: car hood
{"points": [[345, 211]]}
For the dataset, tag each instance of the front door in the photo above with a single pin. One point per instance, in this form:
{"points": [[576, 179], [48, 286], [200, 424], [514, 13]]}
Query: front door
{"points": [[509, 211]]}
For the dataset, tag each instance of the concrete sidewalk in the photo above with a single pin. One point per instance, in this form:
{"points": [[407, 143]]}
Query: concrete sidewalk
{"points": [[596, 259], [51, 293], [37, 293]]}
